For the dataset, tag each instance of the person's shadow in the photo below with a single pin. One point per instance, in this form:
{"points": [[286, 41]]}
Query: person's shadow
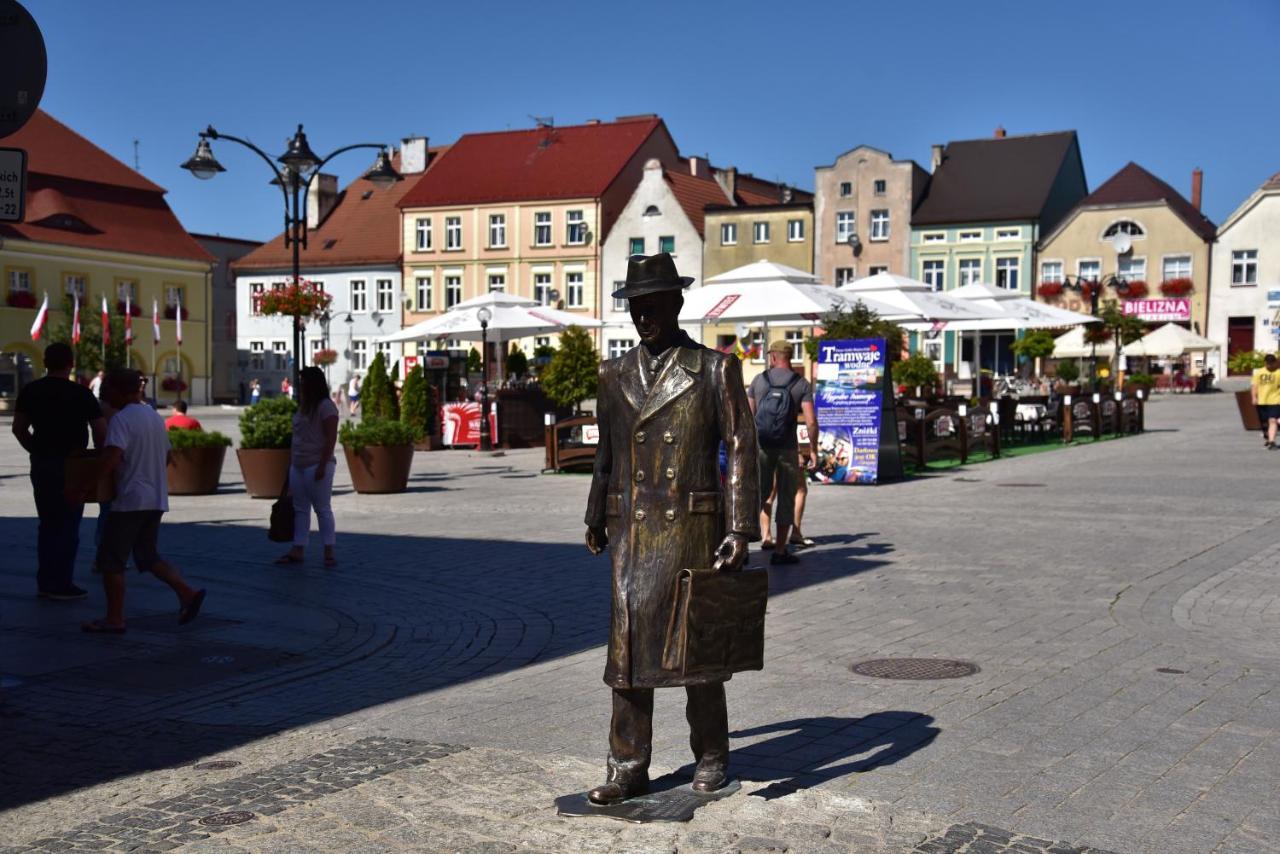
{"points": [[809, 751]]}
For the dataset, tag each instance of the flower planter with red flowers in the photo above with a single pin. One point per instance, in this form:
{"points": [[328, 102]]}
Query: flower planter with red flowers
{"points": [[1137, 290], [303, 298], [320, 358], [1050, 289], [171, 312], [1176, 287], [173, 384], [134, 309], [21, 299]]}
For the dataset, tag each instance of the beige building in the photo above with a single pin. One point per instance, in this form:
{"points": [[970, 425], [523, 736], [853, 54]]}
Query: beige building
{"points": [[862, 214], [1138, 229]]}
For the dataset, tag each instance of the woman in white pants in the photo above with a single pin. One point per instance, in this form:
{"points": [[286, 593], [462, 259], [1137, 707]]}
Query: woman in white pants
{"points": [[311, 465]]}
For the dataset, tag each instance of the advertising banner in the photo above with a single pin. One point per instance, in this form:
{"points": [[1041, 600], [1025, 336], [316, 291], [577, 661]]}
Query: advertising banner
{"points": [[461, 423], [1158, 310], [849, 399]]}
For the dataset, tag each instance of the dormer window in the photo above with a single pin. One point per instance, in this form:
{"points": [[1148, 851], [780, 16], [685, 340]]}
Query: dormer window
{"points": [[652, 211], [66, 222], [1124, 226]]}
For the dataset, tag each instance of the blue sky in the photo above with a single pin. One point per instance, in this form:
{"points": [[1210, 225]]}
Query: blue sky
{"points": [[772, 88]]}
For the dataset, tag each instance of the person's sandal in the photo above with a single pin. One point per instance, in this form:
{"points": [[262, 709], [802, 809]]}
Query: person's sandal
{"points": [[101, 627], [286, 559]]}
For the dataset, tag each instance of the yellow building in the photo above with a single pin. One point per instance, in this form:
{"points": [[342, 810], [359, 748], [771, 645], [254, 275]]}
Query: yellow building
{"points": [[95, 228]]}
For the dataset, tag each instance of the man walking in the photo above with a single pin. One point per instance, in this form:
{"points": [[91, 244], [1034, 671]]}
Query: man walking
{"points": [[658, 504], [52, 421], [776, 396], [137, 454], [1265, 387]]}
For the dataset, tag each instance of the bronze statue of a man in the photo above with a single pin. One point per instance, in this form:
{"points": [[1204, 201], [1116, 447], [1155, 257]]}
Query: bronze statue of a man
{"points": [[657, 499]]}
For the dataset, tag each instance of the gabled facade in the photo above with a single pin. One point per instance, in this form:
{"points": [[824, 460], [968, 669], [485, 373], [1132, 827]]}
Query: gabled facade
{"points": [[353, 252], [868, 195], [95, 227], [1139, 229], [1244, 289], [526, 212]]}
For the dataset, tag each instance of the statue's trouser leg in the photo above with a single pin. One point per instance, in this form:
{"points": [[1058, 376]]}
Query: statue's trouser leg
{"points": [[708, 725], [631, 734]]}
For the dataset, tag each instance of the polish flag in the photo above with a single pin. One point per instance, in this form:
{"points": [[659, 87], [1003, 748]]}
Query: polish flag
{"points": [[177, 317], [106, 323], [75, 322], [155, 321], [128, 320], [42, 317]]}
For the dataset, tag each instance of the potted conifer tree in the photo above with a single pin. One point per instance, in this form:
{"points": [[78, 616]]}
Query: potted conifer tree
{"points": [[378, 448], [418, 409]]}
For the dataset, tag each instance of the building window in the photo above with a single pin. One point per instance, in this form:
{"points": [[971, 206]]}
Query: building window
{"points": [[1007, 270], [386, 295], [1089, 271], [933, 237], [257, 290], [453, 232], [126, 289], [880, 225], [636, 246], [452, 290], [542, 228], [257, 360], [575, 232], [1244, 267], [620, 303], [1051, 272], [880, 187], [933, 275], [316, 344], [970, 271], [75, 283], [359, 298], [618, 347], [795, 230], [1008, 234], [729, 234], [175, 295], [846, 189], [1124, 226], [877, 268], [20, 281], [384, 347], [279, 355], [497, 231], [844, 275], [1176, 267], [422, 229], [651, 211], [970, 236], [542, 288], [359, 354], [844, 226], [796, 339], [1131, 269], [497, 282], [667, 244], [541, 341], [424, 292], [574, 296], [760, 232]]}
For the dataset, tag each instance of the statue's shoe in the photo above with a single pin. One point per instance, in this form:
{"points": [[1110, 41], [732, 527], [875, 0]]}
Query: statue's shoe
{"points": [[617, 791], [707, 780]]}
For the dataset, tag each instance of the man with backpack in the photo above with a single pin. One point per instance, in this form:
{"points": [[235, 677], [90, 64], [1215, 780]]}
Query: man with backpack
{"points": [[776, 396]]}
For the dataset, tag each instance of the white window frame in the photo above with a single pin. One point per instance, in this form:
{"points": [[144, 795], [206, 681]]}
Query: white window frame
{"points": [[933, 237], [359, 296], [795, 338], [279, 355], [73, 283], [1245, 262], [933, 272], [969, 237], [620, 304], [619, 347], [257, 355], [386, 295], [967, 273], [20, 281], [575, 288], [1080, 264], [846, 226], [1011, 266], [879, 225], [175, 295], [760, 231], [844, 275], [424, 291], [1055, 276], [1166, 260], [542, 228], [728, 234], [877, 268], [384, 347], [124, 286], [542, 286], [496, 281], [1008, 234], [497, 231], [359, 354], [452, 233], [257, 290], [795, 231], [1134, 263], [575, 228], [422, 230], [1125, 226], [452, 288]]}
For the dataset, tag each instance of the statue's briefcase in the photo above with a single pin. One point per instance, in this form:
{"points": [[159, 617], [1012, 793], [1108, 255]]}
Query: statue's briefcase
{"points": [[717, 622]]}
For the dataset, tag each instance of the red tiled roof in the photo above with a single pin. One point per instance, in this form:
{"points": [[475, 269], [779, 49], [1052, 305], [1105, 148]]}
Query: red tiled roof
{"points": [[1134, 184], [78, 195], [694, 194], [575, 162], [362, 228], [1273, 183], [757, 191]]}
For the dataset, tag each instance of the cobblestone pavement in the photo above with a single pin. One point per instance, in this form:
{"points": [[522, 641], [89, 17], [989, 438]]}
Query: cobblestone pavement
{"points": [[441, 687]]}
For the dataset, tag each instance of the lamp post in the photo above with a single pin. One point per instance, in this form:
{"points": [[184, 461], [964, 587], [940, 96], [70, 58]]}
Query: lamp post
{"points": [[484, 316], [1094, 287], [300, 166], [325, 319]]}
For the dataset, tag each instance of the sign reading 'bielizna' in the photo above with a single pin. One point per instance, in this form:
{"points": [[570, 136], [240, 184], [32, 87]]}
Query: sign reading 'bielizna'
{"points": [[1158, 309]]}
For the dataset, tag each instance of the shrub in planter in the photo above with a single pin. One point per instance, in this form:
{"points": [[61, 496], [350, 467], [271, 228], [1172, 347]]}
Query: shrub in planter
{"points": [[370, 432], [195, 466], [417, 404], [379, 454], [1068, 371], [917, 371], [378, 392], [1145, 381], [266, 434], [1245, 361]]}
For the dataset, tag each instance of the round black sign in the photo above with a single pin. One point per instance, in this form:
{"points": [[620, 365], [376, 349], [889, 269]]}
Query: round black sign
{"points": [[24, 66]]}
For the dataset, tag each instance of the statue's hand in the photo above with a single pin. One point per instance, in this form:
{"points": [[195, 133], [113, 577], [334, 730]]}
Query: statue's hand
{"points": [[597, 540], [731, 553]]}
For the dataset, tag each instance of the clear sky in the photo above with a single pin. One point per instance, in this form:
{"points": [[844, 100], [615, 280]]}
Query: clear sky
{"points": [[772, 88]]}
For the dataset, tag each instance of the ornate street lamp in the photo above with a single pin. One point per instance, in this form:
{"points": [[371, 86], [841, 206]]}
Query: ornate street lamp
{"points": [[484, 316], [300, 166]]}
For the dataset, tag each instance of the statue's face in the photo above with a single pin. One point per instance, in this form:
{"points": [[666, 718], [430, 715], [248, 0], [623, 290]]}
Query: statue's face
{"points": [[656, 316]]}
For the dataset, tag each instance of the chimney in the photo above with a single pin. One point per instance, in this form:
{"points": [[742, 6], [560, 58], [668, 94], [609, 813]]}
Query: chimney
{"points": [[321, 199], [592, 122], [1000, 134], [937, 158], [413, 155], [699, 167], [1197, 186], [728, 180]]}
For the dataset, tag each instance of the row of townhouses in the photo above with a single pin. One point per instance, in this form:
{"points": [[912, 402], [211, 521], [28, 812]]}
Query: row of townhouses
{"points": [[552, 213]]}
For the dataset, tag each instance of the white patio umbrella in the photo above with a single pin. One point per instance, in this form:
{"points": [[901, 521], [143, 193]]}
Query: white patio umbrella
{"points": [[1073, 346], [911, 296], [1169, 340], [511, 317]]}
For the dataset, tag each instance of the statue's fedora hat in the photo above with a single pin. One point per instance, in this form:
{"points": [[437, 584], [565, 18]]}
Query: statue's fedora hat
{"points": [[649, 274]]}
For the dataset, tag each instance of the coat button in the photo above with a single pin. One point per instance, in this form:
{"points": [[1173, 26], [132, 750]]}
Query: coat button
{"points": [[640, 437], [669, 437], [640, 515], [671, 474], [639, 477], [671, 515]]}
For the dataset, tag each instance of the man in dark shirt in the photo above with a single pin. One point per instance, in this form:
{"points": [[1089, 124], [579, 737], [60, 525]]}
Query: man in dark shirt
{"points": [[50, 422]]}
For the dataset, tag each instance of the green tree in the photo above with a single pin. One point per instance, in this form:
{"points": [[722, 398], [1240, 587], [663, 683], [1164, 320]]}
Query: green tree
{"points": [[474, 365], [571, 377], [916, 371], [517, 362], [858, 322], [89, 351], [1068, 371], [417, 403], [1036, 344], [378, 393], [1124, 328]]}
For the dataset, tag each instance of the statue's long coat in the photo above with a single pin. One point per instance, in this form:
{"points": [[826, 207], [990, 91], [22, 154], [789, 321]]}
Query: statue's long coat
{"points": [[656, 489]]}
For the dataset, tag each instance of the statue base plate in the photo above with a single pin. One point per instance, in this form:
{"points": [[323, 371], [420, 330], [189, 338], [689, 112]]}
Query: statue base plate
{"points": [[674, 804]]}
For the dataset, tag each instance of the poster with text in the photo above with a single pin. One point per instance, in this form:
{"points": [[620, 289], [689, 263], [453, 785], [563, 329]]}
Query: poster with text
{"points": [[848, 398]]}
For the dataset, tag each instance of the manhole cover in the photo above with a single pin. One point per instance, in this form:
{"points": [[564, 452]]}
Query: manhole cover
{"points": [[1169, 670], [1023, 485], [224, 819], [914, 668], [216, 765]]}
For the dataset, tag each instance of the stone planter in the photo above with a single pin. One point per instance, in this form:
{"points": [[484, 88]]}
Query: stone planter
{"points": [[196, 471], [265, 470], [379, 468], [1248, 412]]}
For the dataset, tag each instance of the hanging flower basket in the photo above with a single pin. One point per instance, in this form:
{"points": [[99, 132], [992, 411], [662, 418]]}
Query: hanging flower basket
{"points": [[171, 312], [173, 384], [1095, 334], [1176, 287], [21, 299], [134, 308], [1137, 290], [321, 358], [303, 298], [1050, 289]]}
